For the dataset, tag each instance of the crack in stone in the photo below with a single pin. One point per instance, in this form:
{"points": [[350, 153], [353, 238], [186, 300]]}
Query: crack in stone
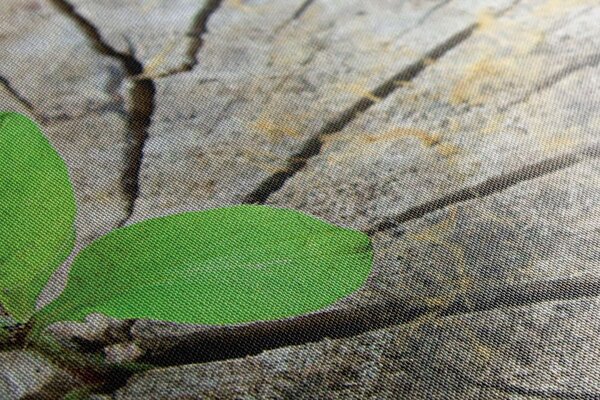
{"points": [[491, 186], [140, 112], [302, 9], [314, 145], [297, 15], [224, 343], [198, 28], [590, 61], [21, 99]]}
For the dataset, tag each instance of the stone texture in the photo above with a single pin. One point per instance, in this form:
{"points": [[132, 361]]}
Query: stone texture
{"points": [[96, 330], [27, 375], [521, 89], [546, 350], [491, 88], [158, 32], [74, 93], [255, 99], [428, 140], [122, 353]]}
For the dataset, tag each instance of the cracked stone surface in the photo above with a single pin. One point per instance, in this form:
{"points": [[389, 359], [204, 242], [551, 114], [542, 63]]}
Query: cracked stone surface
{"points": [[254, 100], [462, 135], [541, 351], [533, 232], [75, 96], [158, 32]]}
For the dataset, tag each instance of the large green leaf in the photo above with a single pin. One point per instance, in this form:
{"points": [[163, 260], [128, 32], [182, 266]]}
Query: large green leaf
{"points": [[37, 212], [221, 266]]}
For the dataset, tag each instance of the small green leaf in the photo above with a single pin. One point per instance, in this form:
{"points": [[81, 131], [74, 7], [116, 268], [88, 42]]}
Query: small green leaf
{"points": [[37, 212], [222, 266]]}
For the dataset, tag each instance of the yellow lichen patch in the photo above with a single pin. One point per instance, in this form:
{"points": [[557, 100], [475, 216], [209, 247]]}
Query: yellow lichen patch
{"points": [[360, 143], [493, 125], [469, 88], [427, 139], [566, 140], [154, 64], [485, 20], [484, 351], [439, 234], [506, 60], [275, 130], [447, 149], [404, 84], [359, 90], [428, 61]]}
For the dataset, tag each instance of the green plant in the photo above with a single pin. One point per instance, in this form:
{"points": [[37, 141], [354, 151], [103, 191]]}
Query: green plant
{"points": [[222, 266]]}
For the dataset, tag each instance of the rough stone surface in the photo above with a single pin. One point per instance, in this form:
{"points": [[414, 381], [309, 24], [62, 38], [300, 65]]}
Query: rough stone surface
{"points": [[158, 32], [546, 350], [504, 99], [74, 93], [463, 135], [96, 330], [530, 233], [122, 353], [27, 375], [254, 100]]}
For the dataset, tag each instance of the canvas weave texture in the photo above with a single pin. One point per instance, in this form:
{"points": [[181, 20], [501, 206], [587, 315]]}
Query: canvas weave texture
{"points": [[460, 137]]}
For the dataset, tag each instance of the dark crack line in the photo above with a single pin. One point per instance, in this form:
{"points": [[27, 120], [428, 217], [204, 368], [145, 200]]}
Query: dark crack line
{"points": [[21, 99], [590, 61], [140, 112], [431, 11], [314, 145], [295, 16], [302, 9], [196, 32], [224, 343], [491, 186]]}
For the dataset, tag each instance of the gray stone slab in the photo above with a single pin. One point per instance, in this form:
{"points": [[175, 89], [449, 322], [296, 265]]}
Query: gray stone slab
{"points": [[401, 155], [546, 350], [502, 100], [529, 233], [157, 32], [255, 99]]}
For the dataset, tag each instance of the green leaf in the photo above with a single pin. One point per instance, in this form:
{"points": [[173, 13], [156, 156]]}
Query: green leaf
{"points": [[222, 266], [37, 212]]}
